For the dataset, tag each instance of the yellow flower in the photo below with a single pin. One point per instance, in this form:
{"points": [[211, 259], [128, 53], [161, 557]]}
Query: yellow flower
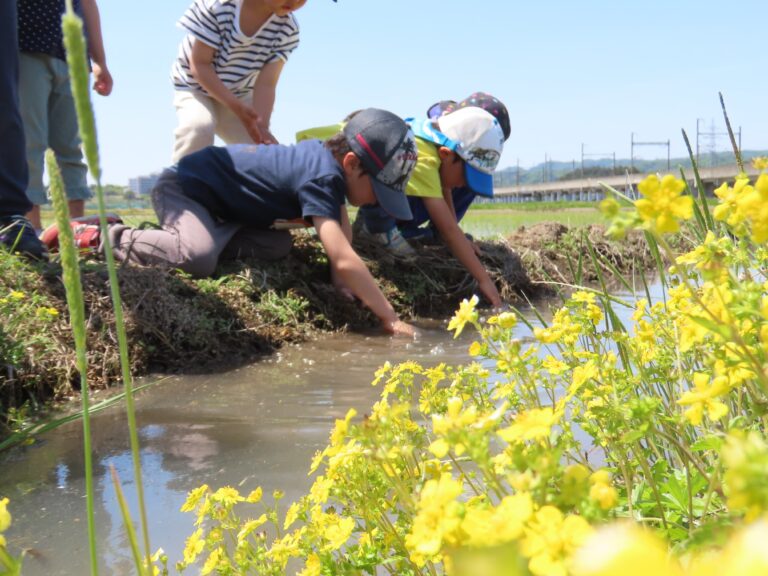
{"points": [[746, 554], [609, 207], [475, 349], [437, 518], [531, 425], [624, 550], [5, 516], [312, 566], [486, 526], [255, 496], [550, 540], [250, 526], [505, 320], [663, 205], [213, 561], [194, 498], [703, 397], [760, 163], [194, 546], [745, 458], [227, 496], [465, 314], [337, 532]]}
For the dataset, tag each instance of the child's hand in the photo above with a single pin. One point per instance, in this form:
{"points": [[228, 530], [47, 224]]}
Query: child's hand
{"points": [[102, 79], [488, 288], [251, 120], [400, 328]]}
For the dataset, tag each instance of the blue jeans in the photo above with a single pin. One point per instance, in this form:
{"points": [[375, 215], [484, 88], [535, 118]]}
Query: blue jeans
{"points": [[50, 121], [13, 164]]}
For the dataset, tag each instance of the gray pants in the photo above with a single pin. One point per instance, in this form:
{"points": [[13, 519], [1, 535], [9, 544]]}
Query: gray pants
{"points": [[191, 238]]}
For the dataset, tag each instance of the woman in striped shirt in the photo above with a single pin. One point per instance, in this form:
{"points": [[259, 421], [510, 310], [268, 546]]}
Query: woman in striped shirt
{"points": [[227, 70]]}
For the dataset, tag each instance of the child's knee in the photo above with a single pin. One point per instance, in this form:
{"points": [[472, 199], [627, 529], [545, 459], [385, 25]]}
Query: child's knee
{"points": [[200, 265]]}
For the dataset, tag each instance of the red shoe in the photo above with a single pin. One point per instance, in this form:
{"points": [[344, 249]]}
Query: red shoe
{"points": [[85, 229]]}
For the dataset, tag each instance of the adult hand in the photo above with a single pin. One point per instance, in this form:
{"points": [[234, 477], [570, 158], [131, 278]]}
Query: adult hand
{"points": [[102, 79]]}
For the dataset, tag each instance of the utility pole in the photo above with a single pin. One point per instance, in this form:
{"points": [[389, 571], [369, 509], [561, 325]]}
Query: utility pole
{"points": [[634, 143], [712, 136]]}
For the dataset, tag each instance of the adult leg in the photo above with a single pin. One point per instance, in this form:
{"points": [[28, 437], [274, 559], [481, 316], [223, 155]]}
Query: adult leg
{"points": [[190, 238], [196, 127], [35, 87], [15, 231], [64, 138], [13, 163]]}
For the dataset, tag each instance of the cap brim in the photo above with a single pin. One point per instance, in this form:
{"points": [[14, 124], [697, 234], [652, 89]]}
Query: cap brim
{"points": [[480, 182], [393, 202]]}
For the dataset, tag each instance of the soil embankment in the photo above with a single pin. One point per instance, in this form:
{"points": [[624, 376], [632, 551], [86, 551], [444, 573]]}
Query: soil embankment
{"points": [[177, 324]]}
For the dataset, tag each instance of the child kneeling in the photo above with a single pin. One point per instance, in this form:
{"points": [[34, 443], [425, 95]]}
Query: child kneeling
{"points": [[236, 199]]}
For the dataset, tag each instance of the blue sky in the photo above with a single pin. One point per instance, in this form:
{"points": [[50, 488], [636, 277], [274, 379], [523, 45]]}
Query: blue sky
{"points": [[590, 72]]}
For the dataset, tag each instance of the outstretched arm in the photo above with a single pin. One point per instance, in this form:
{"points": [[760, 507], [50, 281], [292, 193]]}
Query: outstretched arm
{"points": [[445, 222], [102, 79], [353, 273], [201, 63]]}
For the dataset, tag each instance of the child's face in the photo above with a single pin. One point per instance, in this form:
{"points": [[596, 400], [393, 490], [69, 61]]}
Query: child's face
{"points": [[451, 169], [284, 7], [359, 185]]}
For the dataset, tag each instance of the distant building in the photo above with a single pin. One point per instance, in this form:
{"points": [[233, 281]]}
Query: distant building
{"points": [[142, 185]]}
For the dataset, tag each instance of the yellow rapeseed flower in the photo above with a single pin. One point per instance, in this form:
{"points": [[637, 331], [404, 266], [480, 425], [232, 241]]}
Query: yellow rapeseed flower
{"points": [[5, 516], [760, 163], [623, 550], [194, 498], [312, 566], [533, 424], [703, 396], [551, 539], [194, 546], [663, 204], [465, 314]]}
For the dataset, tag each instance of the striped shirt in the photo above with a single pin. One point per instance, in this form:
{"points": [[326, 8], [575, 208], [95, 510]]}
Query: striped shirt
{"points": [[238, 58]]}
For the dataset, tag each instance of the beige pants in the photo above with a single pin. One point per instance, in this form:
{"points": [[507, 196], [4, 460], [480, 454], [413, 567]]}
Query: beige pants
{"points": [[200, 119], [191, 238]]}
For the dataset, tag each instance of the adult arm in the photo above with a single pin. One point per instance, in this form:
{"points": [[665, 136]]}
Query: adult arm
{"points": [[264, 90], [353, 272], [201, 64], [441, 216], [102, 78]]}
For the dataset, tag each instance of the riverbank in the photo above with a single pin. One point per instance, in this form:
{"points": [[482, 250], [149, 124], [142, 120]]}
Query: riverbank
{"points": [[177, 324]]}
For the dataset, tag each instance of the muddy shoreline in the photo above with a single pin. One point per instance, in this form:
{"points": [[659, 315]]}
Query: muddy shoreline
{"points": [[179, 325]]}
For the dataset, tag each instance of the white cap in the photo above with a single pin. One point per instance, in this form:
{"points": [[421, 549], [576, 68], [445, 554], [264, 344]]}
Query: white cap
{"points": [[479, 142]]}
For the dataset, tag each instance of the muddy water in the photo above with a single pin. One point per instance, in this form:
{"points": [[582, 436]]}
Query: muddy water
{"points": [[255, 426]]}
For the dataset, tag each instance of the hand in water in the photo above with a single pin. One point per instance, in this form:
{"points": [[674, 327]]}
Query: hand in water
{"points": [[400, 328]]}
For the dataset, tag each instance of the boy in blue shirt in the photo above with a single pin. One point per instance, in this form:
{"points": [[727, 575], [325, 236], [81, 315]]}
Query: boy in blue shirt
{"points": [[240, 197]]}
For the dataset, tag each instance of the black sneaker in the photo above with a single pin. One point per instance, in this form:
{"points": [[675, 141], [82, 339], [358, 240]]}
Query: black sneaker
{"points": [[18, 235]]}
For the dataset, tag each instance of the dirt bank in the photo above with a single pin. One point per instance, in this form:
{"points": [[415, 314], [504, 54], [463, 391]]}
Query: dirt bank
{"points": [[176, 324]]}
